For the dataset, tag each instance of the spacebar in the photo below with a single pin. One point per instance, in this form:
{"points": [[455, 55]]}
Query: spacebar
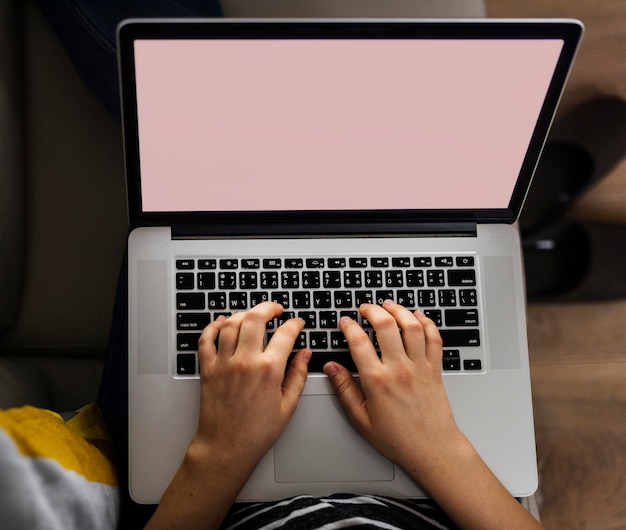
{"points": [[319, 359], [455, 338]]}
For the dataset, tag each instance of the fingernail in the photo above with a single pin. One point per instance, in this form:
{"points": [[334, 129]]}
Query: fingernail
{"points": [[345, 319], [420, 313], [306, 354], [388, 302], [330, 370]]}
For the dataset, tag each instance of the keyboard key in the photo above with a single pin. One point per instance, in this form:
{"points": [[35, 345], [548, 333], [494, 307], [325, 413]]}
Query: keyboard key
{"points": [[185, 264], [401, 262], [191, 321], [186, 364], [426, 298], [311, 279], [248, 280], [394, 278], [422, 261], [358, 263], [258, 297], [447, 297], [472, 364], [461, 277], [468, 297], [451, 360], [269, 280], [343, 299], [461, 317], [281, 297], [380, 262], [415, 278], [190, 301], [229, 263], [315, 263], [435, 316], [227, 280], [322, 299], [272, 263], [216, 301], [381, 296], [373, 279], [465, 261], [328, 319], [184, 280], [301, 299], [310, 319], [206, 280], [294, 263], [363, 297], [352, 279], [187, 341], [207, 264], [332, 279], [290, 279], [318, 340], [238, 301], [460, 337], [435, 278], [406, 298], [444, 261], [318, 360], [338, 340], [250, 263]]}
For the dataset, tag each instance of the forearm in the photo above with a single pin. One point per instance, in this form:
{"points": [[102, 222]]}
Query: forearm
{"points": [[201, 493], [466, 489]]}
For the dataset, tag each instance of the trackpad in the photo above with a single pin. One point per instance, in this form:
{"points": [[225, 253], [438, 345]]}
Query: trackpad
{"points": [[319, 445]]}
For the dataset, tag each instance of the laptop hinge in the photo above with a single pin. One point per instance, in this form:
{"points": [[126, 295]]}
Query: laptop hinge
{"points": [[295, 230]]}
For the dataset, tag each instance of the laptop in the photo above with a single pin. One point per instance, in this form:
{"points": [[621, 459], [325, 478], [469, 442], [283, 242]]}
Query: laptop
{"points": [[323, 164]]}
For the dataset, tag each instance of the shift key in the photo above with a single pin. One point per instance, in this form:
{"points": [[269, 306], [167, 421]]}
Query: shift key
{"points": [[456, 338]]}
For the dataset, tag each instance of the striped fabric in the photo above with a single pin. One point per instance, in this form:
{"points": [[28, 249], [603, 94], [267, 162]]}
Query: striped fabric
{"points": [[338, 511]]}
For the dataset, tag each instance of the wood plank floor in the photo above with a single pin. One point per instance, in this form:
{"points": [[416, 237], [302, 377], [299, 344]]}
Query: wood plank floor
{"points": [[578, 351]]}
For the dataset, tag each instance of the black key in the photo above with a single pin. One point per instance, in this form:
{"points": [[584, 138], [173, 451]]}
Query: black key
{"points": [[311, 279], [315, 263], [258, 297], [447, 297], [394, 278], [468, 297], [435, 316], [227, 280], [187, 341], [318, 360], [462, 277], [359, 263], [380, 262], [184, 280], [206, 280], [300, 341], [186, 364], [269, 280], [338, 340], [343, 298], [426, 298], [301, 299], [451, 360], [310, 319], [444, 261], [472, 364], [192, 321], [401, 262], [415, 278], [280, 297], [290, 279], [248, 280], [207, 264], [328, 319], [332, 279], [185, 264], [460, 337], [461, 317], [251, 263], [381, 296], [272, 263], [422, 262], [363, 297], [190, 301], [406, 298], [238, 301], [318, 340], [435, 278], [217, 301], [352, 279], [465, 261], [229, 263], [294, 263], [287, 315], [373, 279], [322, 299], [336, 263]]}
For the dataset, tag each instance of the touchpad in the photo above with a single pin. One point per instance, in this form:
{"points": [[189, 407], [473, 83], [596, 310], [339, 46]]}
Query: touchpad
{"points": [[319, 445]]}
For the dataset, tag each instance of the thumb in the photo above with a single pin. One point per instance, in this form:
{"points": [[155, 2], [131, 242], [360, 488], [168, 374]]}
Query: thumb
{"points": [[349, 393]]}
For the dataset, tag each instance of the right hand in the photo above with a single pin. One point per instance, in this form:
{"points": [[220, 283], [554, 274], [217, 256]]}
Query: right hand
{"points": [[401, 406]]}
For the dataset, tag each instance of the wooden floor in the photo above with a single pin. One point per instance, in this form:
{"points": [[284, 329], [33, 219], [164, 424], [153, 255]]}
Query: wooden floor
{"points": [[578, 351]]}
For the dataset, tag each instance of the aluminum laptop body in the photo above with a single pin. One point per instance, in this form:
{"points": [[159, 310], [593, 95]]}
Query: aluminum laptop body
{"points": [[335, 141]]}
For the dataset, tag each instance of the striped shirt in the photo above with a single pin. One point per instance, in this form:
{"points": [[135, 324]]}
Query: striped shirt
{"points": [[339, 511]]}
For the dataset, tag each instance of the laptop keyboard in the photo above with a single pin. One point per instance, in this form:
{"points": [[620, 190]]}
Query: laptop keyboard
{"points": [[321, 290]]}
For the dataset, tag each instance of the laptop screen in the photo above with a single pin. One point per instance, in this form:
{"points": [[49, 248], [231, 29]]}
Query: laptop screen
{"points": [[336, 124]]}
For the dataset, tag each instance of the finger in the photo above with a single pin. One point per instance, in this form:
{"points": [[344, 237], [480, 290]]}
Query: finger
{"points": [[361, 347], [295, 377], [229, 334], [284, 338], [207, 348], [387, 332], [254, 324], [434, 342], [413, 336], [349, 393]]}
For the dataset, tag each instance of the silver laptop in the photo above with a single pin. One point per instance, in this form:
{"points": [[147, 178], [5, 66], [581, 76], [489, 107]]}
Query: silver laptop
{"points": [[323, 164]]}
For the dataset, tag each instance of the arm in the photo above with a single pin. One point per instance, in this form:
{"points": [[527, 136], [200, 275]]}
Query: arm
{"points": [[402, 409], [246, 402]]}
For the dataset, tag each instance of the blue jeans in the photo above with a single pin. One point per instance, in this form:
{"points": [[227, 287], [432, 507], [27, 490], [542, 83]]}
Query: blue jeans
{"points": [[87, 30]]}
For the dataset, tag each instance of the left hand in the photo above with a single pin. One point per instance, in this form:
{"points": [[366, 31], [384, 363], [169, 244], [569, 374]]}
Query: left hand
{"points": [[247, 397]]}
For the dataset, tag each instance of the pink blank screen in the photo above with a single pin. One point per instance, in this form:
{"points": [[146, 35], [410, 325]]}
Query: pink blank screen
{"points": [[235, 125]]}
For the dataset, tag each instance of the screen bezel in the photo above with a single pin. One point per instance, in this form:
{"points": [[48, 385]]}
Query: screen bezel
{"points": [[569, 31]]}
